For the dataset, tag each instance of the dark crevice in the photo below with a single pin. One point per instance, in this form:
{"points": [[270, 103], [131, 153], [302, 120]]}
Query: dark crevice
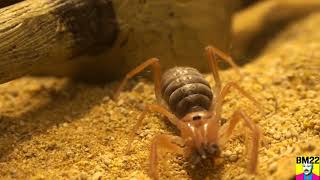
{"points": [[5, 3]]}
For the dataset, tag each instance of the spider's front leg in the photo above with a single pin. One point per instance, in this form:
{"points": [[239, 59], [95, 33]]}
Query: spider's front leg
{"points": [[167, 142], [227, 129], [151, 108], [162, 141]]}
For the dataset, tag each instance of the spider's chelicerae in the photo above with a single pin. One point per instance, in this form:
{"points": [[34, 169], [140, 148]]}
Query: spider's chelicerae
{"points": [[186, 99]]}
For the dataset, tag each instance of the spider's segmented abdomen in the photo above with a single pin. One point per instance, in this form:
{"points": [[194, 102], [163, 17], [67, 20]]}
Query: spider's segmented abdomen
{"points": [[185, 90]]}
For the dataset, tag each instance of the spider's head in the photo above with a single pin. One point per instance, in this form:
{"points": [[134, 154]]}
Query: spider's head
{"points": [[201, 135]]}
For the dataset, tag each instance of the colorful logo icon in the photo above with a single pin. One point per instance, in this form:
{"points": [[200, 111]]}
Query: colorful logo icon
{"points": [[307, 168]]}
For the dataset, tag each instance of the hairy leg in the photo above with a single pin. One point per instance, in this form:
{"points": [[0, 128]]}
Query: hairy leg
{"points": [[163, 141], [151, 108], [227, 89], [212, 53], [226, 132], [154, 63]]}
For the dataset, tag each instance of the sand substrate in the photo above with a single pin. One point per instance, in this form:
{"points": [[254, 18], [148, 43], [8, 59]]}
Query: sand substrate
{"points": [[52, 128]]}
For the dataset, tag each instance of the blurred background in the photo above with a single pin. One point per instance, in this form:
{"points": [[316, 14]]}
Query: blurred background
{"points": [[102, 40]]}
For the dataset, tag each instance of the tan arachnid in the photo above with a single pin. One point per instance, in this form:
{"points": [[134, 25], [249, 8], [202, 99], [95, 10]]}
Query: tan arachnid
{"points": [[195, 110]]}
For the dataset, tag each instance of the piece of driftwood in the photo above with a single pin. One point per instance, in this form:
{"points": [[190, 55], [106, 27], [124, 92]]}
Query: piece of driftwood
{"points": [[75, 37], [36, 33]]}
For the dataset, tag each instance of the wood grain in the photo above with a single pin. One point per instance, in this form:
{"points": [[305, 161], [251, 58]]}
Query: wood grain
{"points": [[37, 33]]}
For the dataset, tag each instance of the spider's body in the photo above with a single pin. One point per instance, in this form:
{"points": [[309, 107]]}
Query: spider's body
{"points": [[185, 90], [186, 98]]}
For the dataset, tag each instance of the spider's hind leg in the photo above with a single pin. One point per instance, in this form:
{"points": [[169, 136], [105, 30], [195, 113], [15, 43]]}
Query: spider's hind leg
{"points": [[155, 64]]}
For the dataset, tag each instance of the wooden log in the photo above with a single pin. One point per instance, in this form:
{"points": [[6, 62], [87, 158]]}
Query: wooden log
{"points": [[37, 33], [75, 37]]}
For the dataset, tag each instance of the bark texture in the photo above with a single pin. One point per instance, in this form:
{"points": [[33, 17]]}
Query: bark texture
{"points": [[38, 33]]}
